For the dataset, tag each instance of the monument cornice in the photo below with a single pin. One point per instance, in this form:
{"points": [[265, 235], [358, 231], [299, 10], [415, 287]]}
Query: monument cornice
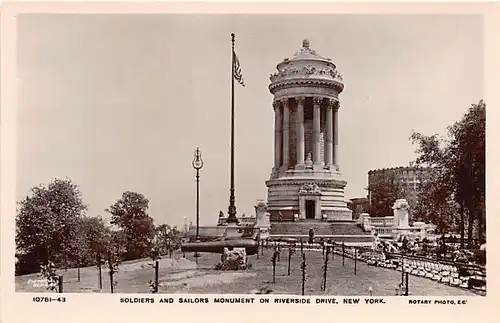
{"points": [[320, 182], [318, 99], [295, 71], [306, 82], [293, 92]]}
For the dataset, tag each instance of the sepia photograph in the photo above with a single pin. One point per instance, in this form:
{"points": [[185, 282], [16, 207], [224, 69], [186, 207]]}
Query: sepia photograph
{"points": [[251, 154]]}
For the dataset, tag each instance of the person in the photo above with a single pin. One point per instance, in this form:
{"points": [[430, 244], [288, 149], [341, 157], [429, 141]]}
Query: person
{"points": [[276, 254], [376, 242], [311, 235], [442, 249]]}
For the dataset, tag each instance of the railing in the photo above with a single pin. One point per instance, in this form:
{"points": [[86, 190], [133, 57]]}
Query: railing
{"points": [[211, 232], [382, 221], [323, 228], [380, 230], [458, 274], [383, 230], [243, 221]]}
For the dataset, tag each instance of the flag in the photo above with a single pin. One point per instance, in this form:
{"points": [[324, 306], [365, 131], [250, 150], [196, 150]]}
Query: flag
{"points": [[237, 70]]}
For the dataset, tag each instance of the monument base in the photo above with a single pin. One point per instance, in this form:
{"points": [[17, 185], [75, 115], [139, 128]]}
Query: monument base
{"points": [[313, 196]]}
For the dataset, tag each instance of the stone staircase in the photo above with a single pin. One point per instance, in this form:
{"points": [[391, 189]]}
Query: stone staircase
{"points": [[348, 231], [320, 228]]}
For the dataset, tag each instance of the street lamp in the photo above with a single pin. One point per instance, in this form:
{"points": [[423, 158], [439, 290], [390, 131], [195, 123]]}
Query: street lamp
{"points": [[197, 164]]}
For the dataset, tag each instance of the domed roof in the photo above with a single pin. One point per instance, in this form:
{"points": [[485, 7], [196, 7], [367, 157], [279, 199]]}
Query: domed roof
{"points": [[307, 53], [306, 67]]}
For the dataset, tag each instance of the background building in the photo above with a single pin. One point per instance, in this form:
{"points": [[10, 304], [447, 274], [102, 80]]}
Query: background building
{"points": [[359, 205], [389, 184]]}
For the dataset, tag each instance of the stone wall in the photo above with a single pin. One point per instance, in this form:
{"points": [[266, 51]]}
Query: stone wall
{"points": [[280, 197], [286, 215]]}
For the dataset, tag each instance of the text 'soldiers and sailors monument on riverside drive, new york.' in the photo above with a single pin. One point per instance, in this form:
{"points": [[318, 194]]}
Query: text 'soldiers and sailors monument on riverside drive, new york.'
{"points": [[306, 181]]}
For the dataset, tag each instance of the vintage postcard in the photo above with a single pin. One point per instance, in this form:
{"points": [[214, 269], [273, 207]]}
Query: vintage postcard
{"points": [[245, 157]]}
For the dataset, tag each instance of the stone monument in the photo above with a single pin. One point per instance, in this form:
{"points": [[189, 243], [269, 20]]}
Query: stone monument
{"points": [[306, 178], [401, 214], [262, 221], [401, 225]]}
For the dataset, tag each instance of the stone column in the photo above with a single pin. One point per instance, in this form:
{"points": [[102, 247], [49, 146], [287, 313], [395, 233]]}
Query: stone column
{"points": [[317, 205], [317, 130], [302, 207], [329, 134], [336, 135], [277, 135], [286, 133], [300, 133]]}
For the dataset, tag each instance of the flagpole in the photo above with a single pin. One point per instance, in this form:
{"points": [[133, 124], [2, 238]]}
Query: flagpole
{"points": [[232, 207]]}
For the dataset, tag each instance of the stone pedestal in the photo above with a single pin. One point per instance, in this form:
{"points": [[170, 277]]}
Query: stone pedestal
{"points": [[401, 214], [401, 219], [365, 221], [233, 230], [263, 223], [309, 198]]}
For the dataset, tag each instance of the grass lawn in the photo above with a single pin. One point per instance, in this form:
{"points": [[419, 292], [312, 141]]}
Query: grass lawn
{"points": [[180, 275]]}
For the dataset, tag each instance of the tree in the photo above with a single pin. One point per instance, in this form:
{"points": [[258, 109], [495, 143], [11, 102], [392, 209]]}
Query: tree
{"points": [[115, 250], [358, 210], [96, 236], [384, 190], [459, 161], [435, 204], [130, 214], [169, 238], [46, 222], [468, 146], [437, 201], [79, 246]]}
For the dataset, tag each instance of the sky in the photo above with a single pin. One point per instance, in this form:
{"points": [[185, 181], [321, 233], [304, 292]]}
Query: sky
{"points": [[120, 102]]}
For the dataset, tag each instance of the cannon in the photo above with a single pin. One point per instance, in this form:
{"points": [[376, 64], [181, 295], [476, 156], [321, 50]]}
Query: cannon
{"points": [[286, 240], [251, 246]]}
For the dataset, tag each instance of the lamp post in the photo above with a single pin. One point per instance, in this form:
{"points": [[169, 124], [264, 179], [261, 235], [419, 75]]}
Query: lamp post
{"points": [[197, 164]]}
